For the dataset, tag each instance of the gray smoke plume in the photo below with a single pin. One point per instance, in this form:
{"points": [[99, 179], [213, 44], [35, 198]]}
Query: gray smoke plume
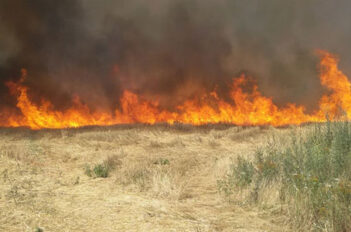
{"points": [[169, 49]]}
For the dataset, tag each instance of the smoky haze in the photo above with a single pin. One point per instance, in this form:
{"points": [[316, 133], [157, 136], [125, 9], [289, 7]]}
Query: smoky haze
{"points": [[168, 49]]}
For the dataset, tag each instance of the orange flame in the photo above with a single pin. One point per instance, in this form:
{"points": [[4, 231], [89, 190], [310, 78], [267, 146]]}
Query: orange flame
{"points": [[245, 108]]}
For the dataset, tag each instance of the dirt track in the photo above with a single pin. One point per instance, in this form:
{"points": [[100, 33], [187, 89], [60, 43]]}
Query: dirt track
{"points": [[43, 184]]}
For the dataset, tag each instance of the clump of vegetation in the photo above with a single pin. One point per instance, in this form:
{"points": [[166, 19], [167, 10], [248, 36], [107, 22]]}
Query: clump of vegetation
{"points": [[162, 161], [312, 173], [103, 169], [141, 177], [240, 175], [38, 229]]}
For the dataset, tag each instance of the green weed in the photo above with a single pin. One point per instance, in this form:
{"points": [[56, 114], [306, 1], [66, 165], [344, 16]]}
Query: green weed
{"points": [[313, 174]]}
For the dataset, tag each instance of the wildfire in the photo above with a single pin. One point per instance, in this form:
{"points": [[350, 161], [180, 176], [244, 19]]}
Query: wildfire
{"points": [[244, 108]]}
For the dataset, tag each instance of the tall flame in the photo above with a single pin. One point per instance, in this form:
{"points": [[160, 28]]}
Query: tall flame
{"points": [[244, 108]]}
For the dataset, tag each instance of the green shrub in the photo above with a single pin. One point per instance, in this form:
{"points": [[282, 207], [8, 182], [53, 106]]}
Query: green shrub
{"points": [[313, 174], [99, 170], [162, 161], [239, 176], [266, 166], [38, 229], [102, 170]]}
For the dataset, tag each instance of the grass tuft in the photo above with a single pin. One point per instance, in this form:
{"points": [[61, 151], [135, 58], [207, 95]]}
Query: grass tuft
{"points": [[162, 161], [38, 229], [103, 169]]}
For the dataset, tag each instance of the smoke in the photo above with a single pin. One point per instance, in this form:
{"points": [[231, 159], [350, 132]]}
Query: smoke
{"points": [[168, 49]]}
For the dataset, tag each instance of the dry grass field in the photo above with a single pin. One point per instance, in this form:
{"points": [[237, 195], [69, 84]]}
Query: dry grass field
{"points": [[159, 178]]}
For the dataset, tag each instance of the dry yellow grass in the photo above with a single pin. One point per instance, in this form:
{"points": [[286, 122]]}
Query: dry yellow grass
{"points": [[165, 179]]}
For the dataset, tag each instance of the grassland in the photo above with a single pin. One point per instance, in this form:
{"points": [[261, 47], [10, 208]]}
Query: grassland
{"points": [[134, 178]]}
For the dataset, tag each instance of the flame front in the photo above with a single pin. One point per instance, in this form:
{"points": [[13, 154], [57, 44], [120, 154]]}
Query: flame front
{"points": [[243, 108]]}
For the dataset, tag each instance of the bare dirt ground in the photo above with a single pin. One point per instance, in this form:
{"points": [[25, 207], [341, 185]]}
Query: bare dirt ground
{"points": [[165, 179]]}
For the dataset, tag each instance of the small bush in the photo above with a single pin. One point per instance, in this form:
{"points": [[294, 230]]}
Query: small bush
{"points": [[99, 170], [102, 170], [38, 229], [313, 174], [239, 176], [267, 165], [162, 161]]}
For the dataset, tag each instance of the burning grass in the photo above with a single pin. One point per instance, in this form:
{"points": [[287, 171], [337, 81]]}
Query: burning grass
{"points": [[310, 177], [243, 106]]}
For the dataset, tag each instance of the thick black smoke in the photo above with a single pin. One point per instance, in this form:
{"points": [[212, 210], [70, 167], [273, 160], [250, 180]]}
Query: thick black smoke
{"points": [[170, 49]]}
